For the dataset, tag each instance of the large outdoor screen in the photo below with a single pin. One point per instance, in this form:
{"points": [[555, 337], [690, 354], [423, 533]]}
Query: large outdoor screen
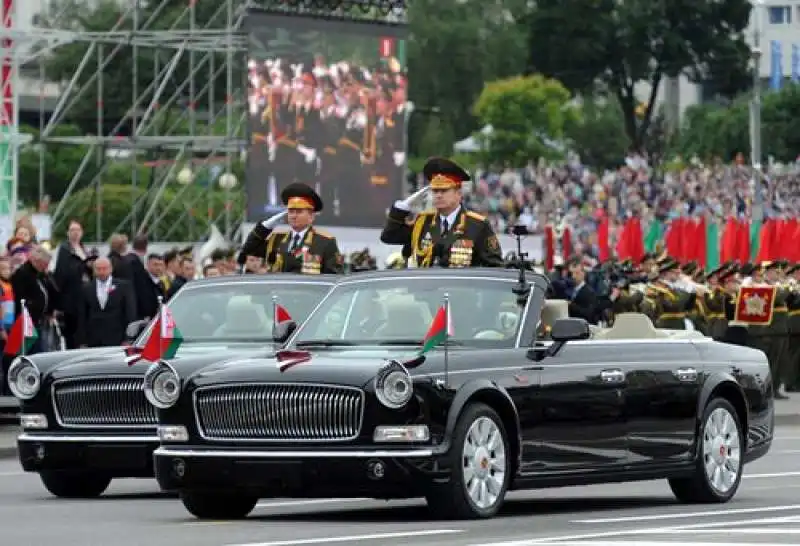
{"points": [[327, 107]]}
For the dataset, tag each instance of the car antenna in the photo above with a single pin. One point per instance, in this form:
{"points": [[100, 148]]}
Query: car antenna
{"points": [[523, 287]]}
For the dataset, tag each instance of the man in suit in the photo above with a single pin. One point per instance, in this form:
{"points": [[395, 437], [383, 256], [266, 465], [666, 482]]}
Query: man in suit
{"points": [[32, 282], [583, 303], [301, 249], [108, 309], [449, 235], [146, 288]]}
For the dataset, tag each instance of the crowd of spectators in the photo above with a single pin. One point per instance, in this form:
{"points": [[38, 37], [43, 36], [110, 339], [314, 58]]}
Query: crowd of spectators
{"points": [[575, 195]]}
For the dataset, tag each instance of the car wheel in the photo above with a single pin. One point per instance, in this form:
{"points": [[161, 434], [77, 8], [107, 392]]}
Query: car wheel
{"points": [[218, 505], [74, 485], [480, 467], [719, 467]]}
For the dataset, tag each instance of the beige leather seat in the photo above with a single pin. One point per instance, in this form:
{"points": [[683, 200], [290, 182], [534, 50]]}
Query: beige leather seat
{"points": [[242, 317], [405, 319], [632, 326], [554, 310]]}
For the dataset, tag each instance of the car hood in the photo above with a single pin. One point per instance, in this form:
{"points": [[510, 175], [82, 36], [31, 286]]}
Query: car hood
{"points": [[340, 367], [111, 360]]}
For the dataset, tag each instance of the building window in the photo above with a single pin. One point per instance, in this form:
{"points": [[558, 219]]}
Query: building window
{"points": [[780, 15]]}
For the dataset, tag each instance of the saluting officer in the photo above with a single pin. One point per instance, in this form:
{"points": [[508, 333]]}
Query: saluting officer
{"points": [[449, 235], [302, 249]]}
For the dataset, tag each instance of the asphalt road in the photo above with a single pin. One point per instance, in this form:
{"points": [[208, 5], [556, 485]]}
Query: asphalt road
{"points": [[133, 512]]}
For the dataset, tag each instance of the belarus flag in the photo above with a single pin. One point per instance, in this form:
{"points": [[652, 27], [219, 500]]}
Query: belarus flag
{"points": [[23, 334], [440, 329], [163, 341]]}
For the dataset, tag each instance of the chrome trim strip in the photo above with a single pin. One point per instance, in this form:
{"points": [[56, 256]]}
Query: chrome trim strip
{"points": [[386, 454], [202, 433], [25, 437], [57, 413]]}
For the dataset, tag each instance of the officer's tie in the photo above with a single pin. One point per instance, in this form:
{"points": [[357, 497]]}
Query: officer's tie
{"points": [[295, 242], [445, 227]]}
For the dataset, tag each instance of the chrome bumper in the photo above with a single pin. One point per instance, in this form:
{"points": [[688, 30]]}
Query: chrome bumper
{"points": [[76, 438], [303, 454]]}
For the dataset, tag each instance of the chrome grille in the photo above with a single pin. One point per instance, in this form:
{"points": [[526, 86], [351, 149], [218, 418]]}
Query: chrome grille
{"points": [[278, 412], [103, 402]]}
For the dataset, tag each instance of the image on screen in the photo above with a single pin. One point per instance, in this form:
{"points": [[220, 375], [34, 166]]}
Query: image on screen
{"points": [[327, 107]]}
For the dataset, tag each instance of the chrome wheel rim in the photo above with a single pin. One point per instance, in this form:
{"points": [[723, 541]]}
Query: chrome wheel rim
{"points": [[721, 450], [484, 463]]}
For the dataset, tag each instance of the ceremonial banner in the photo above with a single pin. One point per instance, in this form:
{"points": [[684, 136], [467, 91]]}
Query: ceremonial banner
{"points": [[754, 305]]}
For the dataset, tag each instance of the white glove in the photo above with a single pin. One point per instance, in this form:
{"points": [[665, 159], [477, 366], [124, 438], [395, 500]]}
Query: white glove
{"points": [[308, 153], [414, 199], [273, 221], [399, 158]]}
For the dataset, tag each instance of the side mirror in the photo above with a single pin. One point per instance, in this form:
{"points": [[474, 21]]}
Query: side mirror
{"points": [[562, 331], [570, 329], [283, 331], [135, 328]]}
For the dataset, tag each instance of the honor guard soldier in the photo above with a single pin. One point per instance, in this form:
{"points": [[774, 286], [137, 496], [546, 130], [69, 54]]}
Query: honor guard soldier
{"points": [[793, 325], [671, 302], [302, 249], [449, 235], [714, 299]]}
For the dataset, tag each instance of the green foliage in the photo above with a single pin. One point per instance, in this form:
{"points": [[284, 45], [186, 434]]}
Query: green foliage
{"points": [[453, 49], [524, 112], [598, 136], [183, 212], [637, 41]]}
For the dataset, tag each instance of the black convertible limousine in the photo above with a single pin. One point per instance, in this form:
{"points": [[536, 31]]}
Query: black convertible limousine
{"points": [[84, 416], [350, 407]]}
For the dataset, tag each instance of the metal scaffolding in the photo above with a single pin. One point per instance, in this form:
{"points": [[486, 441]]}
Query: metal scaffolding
{"points": [[213, 50]]}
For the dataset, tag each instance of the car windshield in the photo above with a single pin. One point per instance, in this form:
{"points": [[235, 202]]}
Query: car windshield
{"points": [[238, 311], [388, 311]]}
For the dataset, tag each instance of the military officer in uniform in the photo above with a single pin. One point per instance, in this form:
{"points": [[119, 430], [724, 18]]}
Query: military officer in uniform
{"points": [[449, 235], [301, 249], [793, 326], [714, 300], [736, 333], [778, 329], [671, 301]]}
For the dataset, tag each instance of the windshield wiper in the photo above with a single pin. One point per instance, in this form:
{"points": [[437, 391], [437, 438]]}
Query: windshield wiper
{"points": [[411, 342], [325, 343]]}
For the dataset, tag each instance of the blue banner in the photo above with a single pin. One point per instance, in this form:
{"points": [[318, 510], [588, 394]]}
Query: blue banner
{"points": [[776, 71]]}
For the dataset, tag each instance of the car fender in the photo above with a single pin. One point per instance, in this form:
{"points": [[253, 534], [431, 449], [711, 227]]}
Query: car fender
{"points": [[711, 384], [466, 394]]}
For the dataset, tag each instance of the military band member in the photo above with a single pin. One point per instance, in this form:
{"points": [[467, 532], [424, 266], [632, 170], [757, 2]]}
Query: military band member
{"points": [[301, 249], [671, 301], [778, 329], [736, 333], [714, 303], [793, 327], [449, 235]]}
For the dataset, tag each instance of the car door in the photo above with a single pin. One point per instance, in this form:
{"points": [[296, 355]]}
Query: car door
{"points": [[663, 390], [581, 421]]}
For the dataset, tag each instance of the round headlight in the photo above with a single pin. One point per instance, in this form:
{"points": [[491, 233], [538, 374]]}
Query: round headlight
{"points": [[24, 378], [393, 386], [162, 385]]}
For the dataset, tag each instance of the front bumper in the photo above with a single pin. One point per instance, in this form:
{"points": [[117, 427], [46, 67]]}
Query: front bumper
{"points": [[118, 456], [378, 473]]}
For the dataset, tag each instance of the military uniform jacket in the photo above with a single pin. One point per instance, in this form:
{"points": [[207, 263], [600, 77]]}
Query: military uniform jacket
{"points": [[793, 304], [318, 254], [470, 242], [716, 319], [627, 302], [672, 305]]}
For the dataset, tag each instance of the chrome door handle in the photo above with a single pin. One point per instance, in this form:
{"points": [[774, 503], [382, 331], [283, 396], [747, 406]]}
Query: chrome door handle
{"points": [[686, 374], [612, 376]]}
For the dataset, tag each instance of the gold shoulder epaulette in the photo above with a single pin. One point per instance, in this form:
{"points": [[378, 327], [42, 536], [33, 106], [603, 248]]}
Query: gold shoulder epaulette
{"points": [[431, 212], [274, 234], [323, 234], [476, 216]]}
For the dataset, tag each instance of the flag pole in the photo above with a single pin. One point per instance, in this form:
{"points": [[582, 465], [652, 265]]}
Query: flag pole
{"points": [[446, 337], [274, 314], [24, 312], [159, 320]]}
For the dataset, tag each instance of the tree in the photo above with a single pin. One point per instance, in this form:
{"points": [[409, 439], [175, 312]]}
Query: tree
{"points": [[454, 47], [598, 136], [616, 44], [527, 115]]}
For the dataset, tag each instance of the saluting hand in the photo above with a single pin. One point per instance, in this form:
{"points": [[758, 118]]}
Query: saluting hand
{"points": [[273, 221], [412, 200]]}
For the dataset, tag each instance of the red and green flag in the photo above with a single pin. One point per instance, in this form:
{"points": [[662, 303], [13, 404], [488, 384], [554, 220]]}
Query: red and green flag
{"points": [[163, 341], [23, 334], [440, 330]]}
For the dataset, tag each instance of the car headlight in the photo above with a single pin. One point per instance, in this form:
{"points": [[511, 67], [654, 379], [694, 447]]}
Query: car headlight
{"points": [[162, 385], [24, 378], [393, 386]]}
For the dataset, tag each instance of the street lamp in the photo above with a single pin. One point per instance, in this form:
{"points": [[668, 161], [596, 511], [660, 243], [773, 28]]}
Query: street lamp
{"points": [[185, 176], [755, 113], [228, 181]]}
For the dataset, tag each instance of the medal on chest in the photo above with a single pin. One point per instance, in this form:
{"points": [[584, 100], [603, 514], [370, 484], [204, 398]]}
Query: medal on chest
{"points": [[461, 253]]}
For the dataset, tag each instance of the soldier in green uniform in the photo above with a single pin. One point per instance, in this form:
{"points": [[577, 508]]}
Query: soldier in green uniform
{"points": [[736, 333], [449, 235], [696, 313], [301, 249], [793, 327], [672, 303], [714, 303], [778, 329]]}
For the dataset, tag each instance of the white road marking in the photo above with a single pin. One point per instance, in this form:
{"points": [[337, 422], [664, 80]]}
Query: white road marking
{"points": [[591, 537], [734, 531], [355, 538], [639, 543], [279, 504], [682, 515]]}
